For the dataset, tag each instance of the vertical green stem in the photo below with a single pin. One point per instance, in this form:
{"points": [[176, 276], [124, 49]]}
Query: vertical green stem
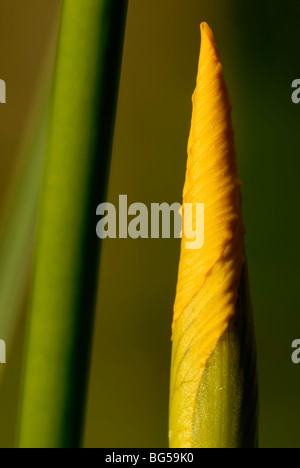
{"points": [[226, 410], [66, 257]]}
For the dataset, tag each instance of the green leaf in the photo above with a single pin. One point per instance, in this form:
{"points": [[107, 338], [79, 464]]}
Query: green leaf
{"points": [[67, 249], [226, 410]]}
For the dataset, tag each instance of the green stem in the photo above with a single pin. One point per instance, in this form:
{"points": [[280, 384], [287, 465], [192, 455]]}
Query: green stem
{"points": [[20, 204], [17, 234], [226, 411], [67, 251]]}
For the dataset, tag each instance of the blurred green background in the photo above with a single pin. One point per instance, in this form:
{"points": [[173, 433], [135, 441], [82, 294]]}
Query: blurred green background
{"points": [[258, 42]]}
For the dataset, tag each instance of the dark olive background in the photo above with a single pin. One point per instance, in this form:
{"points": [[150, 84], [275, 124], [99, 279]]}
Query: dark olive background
{"points": [[259, 45]]}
